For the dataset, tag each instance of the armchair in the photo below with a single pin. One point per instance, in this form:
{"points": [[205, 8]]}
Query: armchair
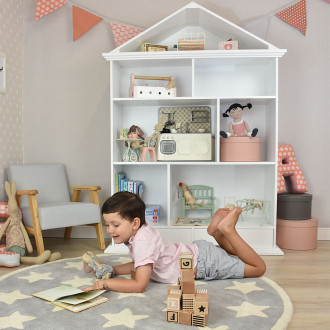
{"points": [[48, 204]]}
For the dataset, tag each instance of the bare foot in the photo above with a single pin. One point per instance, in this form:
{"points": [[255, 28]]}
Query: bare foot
{"points": [[229, 222], [218, 216]]}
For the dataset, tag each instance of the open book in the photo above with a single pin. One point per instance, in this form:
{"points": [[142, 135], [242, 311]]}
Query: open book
{"points": [[73, 299]]}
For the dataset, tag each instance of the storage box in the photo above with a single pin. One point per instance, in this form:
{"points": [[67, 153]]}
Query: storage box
{"points": [[152, 214], [294, 206], [240, 149], [228, 45], [297, 235]]}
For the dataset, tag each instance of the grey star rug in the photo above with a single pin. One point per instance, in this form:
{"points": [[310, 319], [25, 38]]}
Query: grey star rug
{"points": [[254, 303]]}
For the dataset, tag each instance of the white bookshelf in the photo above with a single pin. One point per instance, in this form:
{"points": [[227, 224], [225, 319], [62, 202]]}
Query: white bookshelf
{"points": [[212, 78]]}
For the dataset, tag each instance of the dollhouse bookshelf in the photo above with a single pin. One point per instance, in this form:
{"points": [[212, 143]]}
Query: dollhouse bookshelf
{"points": [[213, 78]]}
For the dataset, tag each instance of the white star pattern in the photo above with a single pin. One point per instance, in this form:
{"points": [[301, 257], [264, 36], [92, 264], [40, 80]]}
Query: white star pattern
{"points": [[125, 295], [125, 317], [14, 320], [34, 277], [244, 287], [10, 297], [78, 281], [78, 265], [247, 309]]}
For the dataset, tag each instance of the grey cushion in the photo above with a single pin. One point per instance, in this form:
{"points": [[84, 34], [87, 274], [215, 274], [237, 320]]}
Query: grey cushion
{"points": [[59, 215]]}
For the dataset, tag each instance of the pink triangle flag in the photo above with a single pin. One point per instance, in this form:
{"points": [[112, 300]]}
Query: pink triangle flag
{"points": [[82, 21], [123, 33], [45, 7], [295, 15]]}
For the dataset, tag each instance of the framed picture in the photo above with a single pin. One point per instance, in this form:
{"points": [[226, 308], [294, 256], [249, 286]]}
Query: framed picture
{"points": [[2, 72]]}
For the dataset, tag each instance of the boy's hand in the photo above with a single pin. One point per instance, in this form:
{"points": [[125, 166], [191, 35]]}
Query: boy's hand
{"points": [[99, 285]]}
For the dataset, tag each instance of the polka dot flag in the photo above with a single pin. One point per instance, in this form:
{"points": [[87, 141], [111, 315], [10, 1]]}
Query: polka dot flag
{"points": [[45, 7], [123, 33], [295, 16]]}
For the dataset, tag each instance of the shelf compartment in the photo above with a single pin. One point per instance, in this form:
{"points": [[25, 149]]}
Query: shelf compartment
{"points": [[238, 181], [232, 77], [180, 69], [263, 116]]}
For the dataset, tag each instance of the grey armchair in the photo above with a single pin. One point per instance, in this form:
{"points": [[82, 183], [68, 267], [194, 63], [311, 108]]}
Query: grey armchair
{"points": [[48, 204]]}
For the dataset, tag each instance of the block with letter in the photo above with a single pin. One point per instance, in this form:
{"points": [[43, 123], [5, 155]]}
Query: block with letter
{"points": [[186, 260], [172, 316], [174, 300]]}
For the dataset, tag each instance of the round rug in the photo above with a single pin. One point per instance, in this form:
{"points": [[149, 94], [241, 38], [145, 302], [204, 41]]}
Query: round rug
{"points": [[253, 303]]}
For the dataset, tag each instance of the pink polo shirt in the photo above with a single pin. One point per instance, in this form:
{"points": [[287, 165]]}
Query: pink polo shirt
{"points": [[148, 247]]}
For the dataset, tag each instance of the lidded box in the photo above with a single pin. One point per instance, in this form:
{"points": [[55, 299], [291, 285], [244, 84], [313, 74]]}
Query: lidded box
{"points": [[294, 206], [297, 235], [240, 149]]}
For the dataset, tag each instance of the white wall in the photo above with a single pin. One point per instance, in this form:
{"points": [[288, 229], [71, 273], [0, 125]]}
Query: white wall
{"points": [[66, 86]]}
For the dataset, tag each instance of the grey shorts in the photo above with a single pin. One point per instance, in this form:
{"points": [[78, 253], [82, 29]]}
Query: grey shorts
{"points": [[214, 263]]}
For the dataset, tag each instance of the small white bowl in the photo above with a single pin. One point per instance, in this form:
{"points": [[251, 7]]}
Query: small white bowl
{"points": [[173, 130], [201, 130]]}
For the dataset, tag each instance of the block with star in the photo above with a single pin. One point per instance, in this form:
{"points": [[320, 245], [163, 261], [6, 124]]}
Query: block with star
{"points": [[201, 307], [174, 300]]}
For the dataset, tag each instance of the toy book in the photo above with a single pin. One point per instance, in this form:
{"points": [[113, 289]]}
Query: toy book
{"points": [[73, 299]]}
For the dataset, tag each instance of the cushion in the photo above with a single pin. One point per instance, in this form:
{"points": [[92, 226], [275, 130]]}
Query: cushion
{"points": [[68, 214]]}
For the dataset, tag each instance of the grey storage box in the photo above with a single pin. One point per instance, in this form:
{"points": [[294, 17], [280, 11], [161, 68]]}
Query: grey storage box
{"points": [[294, 206]]}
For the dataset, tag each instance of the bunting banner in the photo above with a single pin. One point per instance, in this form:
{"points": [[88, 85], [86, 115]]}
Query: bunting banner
{"points": [[82, 21], [123, 33], [45, 7], [295, 16]]}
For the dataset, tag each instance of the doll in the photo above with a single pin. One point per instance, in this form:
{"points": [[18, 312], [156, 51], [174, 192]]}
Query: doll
{"points": [[17, 239], [98, 267], [189, 198], [238, 126]]}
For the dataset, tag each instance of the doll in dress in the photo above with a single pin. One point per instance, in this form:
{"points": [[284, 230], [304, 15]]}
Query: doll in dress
{"points": [[238, 126]]}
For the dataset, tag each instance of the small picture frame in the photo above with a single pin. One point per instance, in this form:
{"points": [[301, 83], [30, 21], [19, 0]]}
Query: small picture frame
{"points": [[2, 72]]}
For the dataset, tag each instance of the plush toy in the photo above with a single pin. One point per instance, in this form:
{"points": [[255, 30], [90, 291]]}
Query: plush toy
{"points": [[97, 266], [17, 239], [190, 199], [238, 127]]}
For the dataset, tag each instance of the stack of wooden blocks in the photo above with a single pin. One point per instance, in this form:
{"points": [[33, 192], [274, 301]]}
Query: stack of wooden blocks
{"points": [[185, 305]]}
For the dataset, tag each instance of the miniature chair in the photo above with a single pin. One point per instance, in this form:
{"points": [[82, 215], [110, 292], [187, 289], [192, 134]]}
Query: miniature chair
{"points": [[200, 193], [149, 145], [53, 208]]}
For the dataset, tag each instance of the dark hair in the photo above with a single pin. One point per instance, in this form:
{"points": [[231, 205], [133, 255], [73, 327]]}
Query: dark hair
{"points": [[236, 105], [127, 204]]}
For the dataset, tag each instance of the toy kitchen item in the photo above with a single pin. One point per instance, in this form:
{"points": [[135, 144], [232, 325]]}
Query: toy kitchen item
{"points": [[240, 149], [228, 45], [190, 146], [152, 91]]}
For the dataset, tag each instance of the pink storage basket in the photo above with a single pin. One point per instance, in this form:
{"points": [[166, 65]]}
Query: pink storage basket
{"points": [[240, 149]]}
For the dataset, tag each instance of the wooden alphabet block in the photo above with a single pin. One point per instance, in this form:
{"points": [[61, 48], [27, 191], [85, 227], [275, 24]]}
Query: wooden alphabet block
{"points": [[174, 300], [187, 275], [201, 307], [172, 287], [172, 316], [185, 317], [199, 320], [188, 301], [186, 260], [188, 287]]}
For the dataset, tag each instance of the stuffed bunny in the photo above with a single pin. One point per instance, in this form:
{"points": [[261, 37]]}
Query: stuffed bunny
{"points": [[17, 238]]}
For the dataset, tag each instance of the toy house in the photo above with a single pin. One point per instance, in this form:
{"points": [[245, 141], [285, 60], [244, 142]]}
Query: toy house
{"points": [[185, 305], [209, 78]]}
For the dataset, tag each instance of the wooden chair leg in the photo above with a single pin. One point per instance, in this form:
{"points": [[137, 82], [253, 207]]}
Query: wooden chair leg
{"points": [[36, 224], [67, 232], [100, 236]]}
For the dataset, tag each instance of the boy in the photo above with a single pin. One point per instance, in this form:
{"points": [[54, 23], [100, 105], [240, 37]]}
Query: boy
{"points": [[157, 259]]}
